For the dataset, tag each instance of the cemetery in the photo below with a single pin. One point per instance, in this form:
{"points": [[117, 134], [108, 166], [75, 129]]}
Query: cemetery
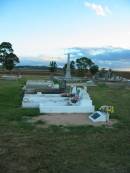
{"points": [[65, 86], [26, 132], [64, 124]]}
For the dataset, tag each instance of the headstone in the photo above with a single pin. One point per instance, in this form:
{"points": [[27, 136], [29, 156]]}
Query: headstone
{"points": [[74, 90]]}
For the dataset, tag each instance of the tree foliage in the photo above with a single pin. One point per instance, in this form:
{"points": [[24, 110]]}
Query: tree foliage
{"points": [[84, 63], [53, 66], [94, 69], [72, 65], [7, 58]]}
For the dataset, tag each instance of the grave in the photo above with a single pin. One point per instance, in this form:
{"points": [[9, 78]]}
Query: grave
{"points": [[11, 77], [43, 86], [46, 95], [78, 101]]}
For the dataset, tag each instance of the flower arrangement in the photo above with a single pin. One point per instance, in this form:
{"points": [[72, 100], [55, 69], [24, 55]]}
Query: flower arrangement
{"points": [[75, 99], [108, 109]]}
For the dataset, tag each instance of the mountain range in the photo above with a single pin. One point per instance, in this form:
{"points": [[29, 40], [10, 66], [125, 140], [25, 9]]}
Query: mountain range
{"points": [[104, 57]]}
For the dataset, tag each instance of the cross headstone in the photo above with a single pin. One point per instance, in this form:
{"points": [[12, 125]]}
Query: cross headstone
{"points": [[68, 72]]}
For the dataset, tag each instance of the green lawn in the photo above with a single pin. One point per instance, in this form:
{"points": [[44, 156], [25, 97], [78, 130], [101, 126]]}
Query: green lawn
{"points": [[26, 148]]}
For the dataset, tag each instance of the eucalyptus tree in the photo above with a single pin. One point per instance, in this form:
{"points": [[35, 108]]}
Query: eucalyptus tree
{"points": [[83, 64], [7, 58]]}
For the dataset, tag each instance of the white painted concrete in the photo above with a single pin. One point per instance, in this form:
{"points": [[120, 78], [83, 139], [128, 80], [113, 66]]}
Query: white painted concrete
{"points": [[33, 83], [11, 77], [54, 103], [66, 109], [34, 100]]}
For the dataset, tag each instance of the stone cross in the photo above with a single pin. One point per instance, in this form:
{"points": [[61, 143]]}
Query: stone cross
{"points": [[68, 72]]}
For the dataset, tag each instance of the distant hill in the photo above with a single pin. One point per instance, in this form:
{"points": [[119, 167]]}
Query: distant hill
{"points": [[32, 67]]}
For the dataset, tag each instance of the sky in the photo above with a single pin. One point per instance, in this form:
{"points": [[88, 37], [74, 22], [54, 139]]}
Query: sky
{"points": [[37, 27]]}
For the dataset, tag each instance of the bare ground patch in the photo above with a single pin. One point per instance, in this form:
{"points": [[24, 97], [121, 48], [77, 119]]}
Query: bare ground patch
{"points": [[69, 119]]}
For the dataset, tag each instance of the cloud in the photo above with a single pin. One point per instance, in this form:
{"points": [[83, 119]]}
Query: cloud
{"points": [[104, 57], [98, 8]]}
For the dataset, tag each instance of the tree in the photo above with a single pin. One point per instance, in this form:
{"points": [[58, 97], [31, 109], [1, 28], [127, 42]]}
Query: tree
{"points": [[53, 66], [7, 58], [10, 61], [72, 66], [83, 64], [94, 69]]}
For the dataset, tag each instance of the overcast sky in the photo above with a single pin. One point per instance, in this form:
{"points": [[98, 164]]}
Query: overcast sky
{"points": [[41, 26]]}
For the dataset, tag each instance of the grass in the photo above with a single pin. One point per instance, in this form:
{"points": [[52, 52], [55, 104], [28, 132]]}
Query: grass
{"points": [[25, 148]]}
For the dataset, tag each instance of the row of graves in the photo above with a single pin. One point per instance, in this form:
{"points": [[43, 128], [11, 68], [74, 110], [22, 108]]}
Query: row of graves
{"points": [[109, 75]]}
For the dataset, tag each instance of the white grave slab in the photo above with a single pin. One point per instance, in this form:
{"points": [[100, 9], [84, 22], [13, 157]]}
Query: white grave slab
{"points": [[55, 103]]}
